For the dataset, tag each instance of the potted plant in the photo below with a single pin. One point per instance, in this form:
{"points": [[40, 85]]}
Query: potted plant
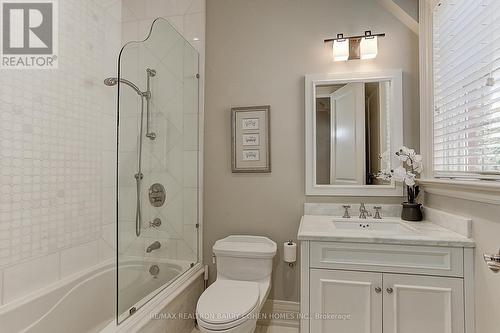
{"points": [[407, 172]]}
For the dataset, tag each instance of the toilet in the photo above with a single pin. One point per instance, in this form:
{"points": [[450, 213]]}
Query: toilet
{"points": [[233, 302]]}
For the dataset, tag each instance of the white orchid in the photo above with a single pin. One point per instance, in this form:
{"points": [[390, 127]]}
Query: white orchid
{"points": [[400, 174], [411, 167]]}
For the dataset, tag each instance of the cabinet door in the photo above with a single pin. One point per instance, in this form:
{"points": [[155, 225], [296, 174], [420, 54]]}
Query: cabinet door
{"points": [[416, 304], [345, 302]]}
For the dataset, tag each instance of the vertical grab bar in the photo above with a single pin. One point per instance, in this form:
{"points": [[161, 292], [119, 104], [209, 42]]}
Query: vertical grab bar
{"points": [[139, 176], [150, 73]]}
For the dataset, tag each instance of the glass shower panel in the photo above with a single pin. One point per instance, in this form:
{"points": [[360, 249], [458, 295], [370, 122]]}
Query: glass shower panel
{"points": [[157, 165]]}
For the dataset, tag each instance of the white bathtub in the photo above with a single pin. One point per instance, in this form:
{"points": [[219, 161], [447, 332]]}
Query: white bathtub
{"points": [[86, 302]]}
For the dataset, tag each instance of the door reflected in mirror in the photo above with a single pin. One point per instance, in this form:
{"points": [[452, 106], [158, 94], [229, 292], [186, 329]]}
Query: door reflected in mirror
{"points": [[353, 137]]}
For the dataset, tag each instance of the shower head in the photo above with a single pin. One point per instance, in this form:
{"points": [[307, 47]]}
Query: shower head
{"points": [[112, 81]]}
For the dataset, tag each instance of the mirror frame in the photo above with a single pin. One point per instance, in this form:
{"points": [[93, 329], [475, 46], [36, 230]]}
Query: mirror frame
{"points": [[314, 80]]}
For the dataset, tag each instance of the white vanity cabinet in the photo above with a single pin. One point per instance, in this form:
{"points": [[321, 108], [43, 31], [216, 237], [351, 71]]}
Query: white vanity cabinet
{"points": [[385, 288], [415, 304], [345, 301]]}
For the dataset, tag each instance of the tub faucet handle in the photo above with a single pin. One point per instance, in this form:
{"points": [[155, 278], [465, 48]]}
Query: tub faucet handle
{"points": [[155, 223]]}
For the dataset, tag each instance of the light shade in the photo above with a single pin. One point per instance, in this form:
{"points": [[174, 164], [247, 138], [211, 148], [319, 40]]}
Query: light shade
{"points": [[368, 47], [341, 50]]}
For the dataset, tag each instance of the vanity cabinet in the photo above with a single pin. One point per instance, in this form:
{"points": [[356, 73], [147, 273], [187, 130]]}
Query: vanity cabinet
{"points": [[416, 304], [349, 301], [385, 288], [344, 301]]}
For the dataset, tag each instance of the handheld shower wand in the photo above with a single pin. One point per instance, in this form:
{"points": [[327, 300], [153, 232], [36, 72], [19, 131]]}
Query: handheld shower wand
{"points": [[112, 81]]}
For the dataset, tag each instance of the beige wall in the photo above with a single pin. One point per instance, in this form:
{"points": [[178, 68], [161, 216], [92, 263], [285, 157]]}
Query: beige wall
{"points": [[486, 233], [258, 53]]}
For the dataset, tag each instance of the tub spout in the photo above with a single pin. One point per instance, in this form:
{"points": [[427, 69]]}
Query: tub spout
{"points": [[156, 245]]}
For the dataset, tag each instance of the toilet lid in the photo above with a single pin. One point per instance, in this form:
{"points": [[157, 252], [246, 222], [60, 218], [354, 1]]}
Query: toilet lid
{"points": [[227, 301]]}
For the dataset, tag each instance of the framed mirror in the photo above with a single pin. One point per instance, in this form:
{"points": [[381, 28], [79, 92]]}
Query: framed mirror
{"points": [[354, 124]]}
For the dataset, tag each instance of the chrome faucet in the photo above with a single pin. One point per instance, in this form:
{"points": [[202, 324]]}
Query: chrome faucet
{"points": [[363, 213], [156, 245]]}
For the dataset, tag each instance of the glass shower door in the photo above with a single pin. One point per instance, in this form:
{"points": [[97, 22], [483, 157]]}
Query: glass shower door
{"points": [[157, 165]]}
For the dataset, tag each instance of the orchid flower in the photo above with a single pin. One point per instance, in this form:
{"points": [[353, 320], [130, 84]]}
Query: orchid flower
{"points": [[407, 172]]}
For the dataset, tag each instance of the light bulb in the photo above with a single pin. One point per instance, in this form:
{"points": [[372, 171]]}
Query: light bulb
{"points": [[341, 50], [368, 48]]}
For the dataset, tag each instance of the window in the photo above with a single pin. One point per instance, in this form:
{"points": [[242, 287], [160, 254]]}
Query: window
{"points": [[466, 70]]}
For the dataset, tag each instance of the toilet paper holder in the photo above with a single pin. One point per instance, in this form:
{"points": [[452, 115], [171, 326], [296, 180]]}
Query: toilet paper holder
{"points": [[493, 261], [290, 253]]}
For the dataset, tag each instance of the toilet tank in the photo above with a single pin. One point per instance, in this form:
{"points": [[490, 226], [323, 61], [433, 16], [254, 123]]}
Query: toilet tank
{"points": [[248, 258]]}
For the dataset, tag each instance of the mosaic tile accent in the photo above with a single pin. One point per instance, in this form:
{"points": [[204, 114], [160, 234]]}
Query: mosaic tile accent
{"points": [[57, 139]]}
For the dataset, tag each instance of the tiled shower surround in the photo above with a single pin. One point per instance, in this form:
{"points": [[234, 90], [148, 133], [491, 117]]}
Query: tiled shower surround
{"points": [[58, 145]]}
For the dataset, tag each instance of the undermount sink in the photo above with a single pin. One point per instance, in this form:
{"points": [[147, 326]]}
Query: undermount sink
{"points": [[372, 225]]}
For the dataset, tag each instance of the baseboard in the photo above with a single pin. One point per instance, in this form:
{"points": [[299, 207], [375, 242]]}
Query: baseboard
{"points": [[280, 313]]}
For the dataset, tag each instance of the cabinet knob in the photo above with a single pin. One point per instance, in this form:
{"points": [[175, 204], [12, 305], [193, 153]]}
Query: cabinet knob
{"points": [[389, 290], [378, 290]]}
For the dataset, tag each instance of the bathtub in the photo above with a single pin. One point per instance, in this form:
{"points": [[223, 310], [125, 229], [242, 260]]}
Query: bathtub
{"points": [[85, 302]]}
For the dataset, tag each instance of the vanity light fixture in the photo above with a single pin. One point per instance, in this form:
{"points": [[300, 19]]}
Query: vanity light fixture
{"points": [[340, 48], [355, 47]]}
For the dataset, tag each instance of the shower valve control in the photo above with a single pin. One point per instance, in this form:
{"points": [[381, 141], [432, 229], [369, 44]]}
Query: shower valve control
{"points": [[157, 195]]}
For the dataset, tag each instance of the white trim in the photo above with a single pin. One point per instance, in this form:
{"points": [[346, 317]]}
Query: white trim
{"points": [[426, 86], [304, 286], [311, 81], [473, 190], [400, 14], [481, 191], [470, 320], [280, 313]]}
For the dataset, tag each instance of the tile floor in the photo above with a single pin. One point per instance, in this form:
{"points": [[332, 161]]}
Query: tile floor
{"points": [[269, 329]]}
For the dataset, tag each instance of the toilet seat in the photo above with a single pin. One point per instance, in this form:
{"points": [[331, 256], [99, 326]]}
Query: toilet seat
{"points": [[227, 304]]}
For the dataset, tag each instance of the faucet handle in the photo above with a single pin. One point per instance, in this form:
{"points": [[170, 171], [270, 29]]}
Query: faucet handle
{"points": [[346, 212], [155, 223], [377, 212]]}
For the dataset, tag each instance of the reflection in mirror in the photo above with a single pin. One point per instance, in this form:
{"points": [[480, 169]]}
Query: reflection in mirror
{"points": [[352, 132]]}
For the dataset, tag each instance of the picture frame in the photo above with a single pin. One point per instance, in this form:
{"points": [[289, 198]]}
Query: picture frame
{"points": [[251, 139]]}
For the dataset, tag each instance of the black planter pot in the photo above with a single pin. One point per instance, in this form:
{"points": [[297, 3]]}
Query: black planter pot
{"points": [[411, 212]]}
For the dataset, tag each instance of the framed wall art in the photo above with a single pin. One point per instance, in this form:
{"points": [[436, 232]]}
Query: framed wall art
{"points": [[251, 149]]}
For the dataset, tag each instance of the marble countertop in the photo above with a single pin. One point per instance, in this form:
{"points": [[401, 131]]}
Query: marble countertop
{"points": [[426, 233]]}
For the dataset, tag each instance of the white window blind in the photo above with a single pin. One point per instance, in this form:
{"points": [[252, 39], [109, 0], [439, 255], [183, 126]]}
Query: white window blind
{"points": [[466, 65]]}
